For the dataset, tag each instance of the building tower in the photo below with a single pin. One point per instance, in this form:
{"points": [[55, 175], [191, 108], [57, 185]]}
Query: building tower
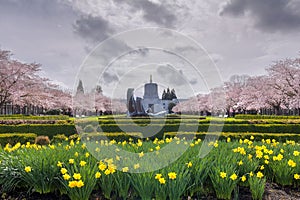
{"points": [[150, 95]]}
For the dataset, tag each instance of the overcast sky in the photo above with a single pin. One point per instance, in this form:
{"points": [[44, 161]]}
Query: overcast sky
{"points": [[241, 36]]}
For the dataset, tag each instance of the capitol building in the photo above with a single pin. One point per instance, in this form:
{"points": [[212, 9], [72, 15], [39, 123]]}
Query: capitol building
{"points": [[150, 104]]}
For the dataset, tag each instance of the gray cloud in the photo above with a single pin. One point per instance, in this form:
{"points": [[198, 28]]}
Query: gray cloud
{"points": [[269, 15], [153, 12], [193, 81], [143, 51], [172, 75], [110, 77], [94, 29]]}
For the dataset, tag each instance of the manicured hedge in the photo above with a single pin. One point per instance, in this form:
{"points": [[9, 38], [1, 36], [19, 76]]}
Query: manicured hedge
{"points": [[267, 117], [256, 128], [29, 121], [40, 129], [121, 136], [35, 117], [236, 136], [14, 138], [202, 121], [134, 136]]}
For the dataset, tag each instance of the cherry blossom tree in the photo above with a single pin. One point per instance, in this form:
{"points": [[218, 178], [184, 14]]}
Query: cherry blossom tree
{"points": [[285, 77], [21, 84]]}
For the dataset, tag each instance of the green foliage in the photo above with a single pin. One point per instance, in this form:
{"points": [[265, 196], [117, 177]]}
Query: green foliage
{"points": [[122, 184], [14, 138], [59, 138], [49, 130], [86, 167], [39, 168], [257, 187], [34, 117], [142, 185], [221, 173], [41, 176]]}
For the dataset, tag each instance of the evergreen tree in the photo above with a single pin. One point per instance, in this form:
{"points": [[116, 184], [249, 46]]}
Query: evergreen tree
{"points": [[80, 89], [164, 95], [168, 94], [98, 89], [173, 94]]}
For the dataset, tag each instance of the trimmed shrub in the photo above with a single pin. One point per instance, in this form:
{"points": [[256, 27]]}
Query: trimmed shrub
{"points": [[236, 136], [35, 117], [42, 140], [112, 136], [256, 128], [14, 138], [59, 138], [49, 130]]}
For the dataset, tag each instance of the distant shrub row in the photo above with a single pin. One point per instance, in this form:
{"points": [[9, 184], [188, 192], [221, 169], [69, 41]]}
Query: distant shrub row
{"points": [[13, 138], [266, 117], [35, 117], [236, 136], [203, 121], [30, 121], [256, 128], [49, 130]]}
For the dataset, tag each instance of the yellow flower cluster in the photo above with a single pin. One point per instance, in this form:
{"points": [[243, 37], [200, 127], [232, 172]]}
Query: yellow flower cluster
{"points": [[77, 184]]}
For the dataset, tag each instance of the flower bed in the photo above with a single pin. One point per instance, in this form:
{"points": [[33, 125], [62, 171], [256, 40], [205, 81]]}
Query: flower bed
{"points": [[69, 168]]}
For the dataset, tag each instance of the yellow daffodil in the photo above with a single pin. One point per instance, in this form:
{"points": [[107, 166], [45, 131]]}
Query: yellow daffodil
{"points": [[243, 178], [189, 164], [82, 163], [107, 172], [72, 184], [223, 175], [141, 154], [266, 162], [136, 166], [77, 176], [158, 176], [63, 170], [233, 177], [27, 169], [66, 176], [79, 184], [97, 175], [59, 164], [172, 175], [125, 169], [162, 181], [102, 167], [259, 174], [291, 163]]}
